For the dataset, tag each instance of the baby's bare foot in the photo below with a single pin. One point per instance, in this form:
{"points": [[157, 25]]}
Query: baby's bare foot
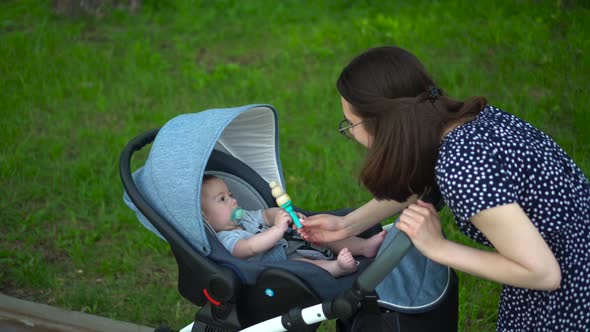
{"points": [[346, 263], [373, 243]]}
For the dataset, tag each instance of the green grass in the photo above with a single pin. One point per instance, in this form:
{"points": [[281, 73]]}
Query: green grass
{"points": [[74, 91]]}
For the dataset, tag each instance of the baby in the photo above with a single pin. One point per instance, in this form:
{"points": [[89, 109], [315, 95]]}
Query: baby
{"points": [[260, 233]]}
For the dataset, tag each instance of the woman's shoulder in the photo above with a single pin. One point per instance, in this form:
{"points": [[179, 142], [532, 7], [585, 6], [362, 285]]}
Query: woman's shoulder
{"points": [[470, 133], [474, 142], [490, 127]]}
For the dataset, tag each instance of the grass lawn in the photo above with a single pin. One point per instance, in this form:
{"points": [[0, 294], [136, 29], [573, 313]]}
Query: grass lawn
{"points": [[74, 91]]}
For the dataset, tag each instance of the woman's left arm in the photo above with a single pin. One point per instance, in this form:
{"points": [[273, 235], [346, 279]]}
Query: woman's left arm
{"points": [[522, 257]]}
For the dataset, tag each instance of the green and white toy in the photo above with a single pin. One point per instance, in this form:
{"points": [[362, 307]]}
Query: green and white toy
{"points": [[284, 201]]}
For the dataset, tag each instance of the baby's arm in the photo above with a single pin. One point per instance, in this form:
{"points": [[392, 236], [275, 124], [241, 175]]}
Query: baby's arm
{"points": [[269, 215], [265, 240]]}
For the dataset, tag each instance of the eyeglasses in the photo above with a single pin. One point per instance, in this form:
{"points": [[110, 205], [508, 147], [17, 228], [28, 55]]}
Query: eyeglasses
{"points": [[344, 127]]}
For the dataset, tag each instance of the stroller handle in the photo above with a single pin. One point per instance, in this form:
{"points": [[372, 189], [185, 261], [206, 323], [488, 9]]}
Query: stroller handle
{"points": [[384, 263], [391, 256]]}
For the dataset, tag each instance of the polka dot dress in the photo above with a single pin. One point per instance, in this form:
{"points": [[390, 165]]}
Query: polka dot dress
{"points": [[498, 159]]}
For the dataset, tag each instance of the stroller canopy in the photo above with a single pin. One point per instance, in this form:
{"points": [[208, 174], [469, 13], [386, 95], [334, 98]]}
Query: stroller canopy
{"points": [[170, 180]]}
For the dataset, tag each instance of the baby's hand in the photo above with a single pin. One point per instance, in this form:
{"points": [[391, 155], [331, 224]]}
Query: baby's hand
{"points": [[282, 219]]}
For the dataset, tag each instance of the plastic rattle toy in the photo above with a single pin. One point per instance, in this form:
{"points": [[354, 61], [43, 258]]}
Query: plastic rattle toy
{"points": [[284, 201]]}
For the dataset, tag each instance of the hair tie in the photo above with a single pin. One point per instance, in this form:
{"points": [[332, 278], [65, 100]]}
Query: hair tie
{"points": [[433, 93]]}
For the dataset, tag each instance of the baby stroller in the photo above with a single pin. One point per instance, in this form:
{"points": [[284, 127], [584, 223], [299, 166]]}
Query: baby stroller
{"points": [[240, 145]]}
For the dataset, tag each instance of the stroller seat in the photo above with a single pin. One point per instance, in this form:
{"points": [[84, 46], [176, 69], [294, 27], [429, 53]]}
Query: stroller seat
{"points": [[240, 146]]}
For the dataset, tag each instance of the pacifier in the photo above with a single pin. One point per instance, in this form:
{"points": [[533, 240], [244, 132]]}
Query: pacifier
{"points": [[237, 215]]}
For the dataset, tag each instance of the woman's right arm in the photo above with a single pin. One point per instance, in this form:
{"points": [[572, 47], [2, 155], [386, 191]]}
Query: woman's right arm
{"points": [[327, 228]]}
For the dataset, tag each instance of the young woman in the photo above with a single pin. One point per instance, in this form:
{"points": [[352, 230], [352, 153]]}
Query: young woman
{"points": [[509, 186]]}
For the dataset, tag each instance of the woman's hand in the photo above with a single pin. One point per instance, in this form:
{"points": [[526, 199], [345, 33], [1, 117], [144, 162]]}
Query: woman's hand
{"points": [[301, 216], [421, 223], [322, 228]]}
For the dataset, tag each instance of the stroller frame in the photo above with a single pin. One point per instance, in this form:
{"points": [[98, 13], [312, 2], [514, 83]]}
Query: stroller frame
{"points": [[218, 290]]}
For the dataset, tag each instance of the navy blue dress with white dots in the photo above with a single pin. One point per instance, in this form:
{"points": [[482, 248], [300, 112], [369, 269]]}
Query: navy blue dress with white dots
{"points": [[499, 159]]}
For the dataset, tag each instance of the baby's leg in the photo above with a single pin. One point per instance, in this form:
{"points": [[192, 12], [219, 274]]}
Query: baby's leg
{"points": [[343, 265], [359, 246]]}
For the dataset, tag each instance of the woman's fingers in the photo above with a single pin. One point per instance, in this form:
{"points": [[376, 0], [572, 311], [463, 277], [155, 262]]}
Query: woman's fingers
{"points": [[322, 228], [313, 221], [406, 227], [419, 213], [414, 217], [304, 231], [429, 206], [418, 209], [414, 214], [421, 224], [411, 214]]}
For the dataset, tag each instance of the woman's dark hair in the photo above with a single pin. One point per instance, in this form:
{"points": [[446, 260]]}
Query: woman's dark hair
{"points": [[391, 91]]}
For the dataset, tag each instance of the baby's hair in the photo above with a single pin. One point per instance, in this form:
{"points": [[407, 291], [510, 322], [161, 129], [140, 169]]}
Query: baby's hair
{"points": [[206, 178], [209, 177]]}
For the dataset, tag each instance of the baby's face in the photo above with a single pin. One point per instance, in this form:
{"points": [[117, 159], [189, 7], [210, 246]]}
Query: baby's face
{"points": [[217, 205]]}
